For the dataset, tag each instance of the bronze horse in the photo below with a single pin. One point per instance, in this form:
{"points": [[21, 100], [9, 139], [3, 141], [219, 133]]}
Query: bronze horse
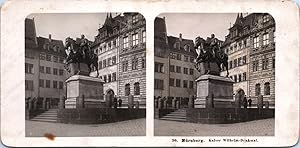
{"points": [[208, 54], [75, 55]]}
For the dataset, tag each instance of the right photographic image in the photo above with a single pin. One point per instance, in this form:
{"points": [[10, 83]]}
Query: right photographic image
{"points": [[214, 74]]}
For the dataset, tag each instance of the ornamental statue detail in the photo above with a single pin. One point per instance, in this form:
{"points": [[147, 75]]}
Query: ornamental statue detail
{"points": [[211, 59], [79, 52]]}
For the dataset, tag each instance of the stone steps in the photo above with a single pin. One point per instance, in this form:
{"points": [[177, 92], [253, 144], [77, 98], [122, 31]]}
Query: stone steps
{"points": [[178, 115], [48, 116]]}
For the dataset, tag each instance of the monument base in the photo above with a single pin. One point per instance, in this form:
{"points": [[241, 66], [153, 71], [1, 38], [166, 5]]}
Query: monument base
{"points": [[214, 91], [84, 92]]}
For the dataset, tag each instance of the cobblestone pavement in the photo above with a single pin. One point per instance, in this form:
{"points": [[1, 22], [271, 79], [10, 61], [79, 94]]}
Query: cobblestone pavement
{"points": [[135, 127], [263, 127]]}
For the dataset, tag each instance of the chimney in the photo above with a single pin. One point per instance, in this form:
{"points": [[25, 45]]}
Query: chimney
{"points": [[50, 39], [180, 37]]}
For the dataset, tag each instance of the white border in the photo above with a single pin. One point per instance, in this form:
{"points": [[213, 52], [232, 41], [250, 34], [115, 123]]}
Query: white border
{"points": [[14, 12]]}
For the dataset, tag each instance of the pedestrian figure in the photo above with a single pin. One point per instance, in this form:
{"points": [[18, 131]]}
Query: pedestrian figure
{"points": [[249, 101], [245, 102], [115, 102], [120, 102]]}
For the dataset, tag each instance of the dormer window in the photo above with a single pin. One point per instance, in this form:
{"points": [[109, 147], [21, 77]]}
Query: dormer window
{"points": [[135, 19], [266, 18], [177, 46], [186, 47]]}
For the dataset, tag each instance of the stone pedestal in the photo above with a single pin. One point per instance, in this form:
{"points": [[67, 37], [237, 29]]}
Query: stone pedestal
{"points": [[221, 88], [84, 92]]}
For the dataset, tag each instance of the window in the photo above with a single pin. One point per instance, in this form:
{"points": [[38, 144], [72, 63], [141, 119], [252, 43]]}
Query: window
{"points": [[235, 63], [273, 63], [28, 68], [235, 78], [144, 36], [191, 71], [42, 69], [54, 84], [171, 82], [48, 57], [158, 84], [266, 39], [274, 37], [186, 58], [104, 63], [178, 69], [61, 84], [125, 66], [186, 47], [240, 78], [135, 39], [29, 85], [244, 76], [55, 59], [172, 55], [266, 18], [230, 64], [117, 42], [244, 60], [192, 59], [240, 61], [41, 83], [125, 42], [178, 56], [185, 83], [178, 83], [265, 64], [55, 71], [257, 89], [105, 78], [61, 60], [137, 88], [100, 64], [109, 78], [159, 67], [267, 88], [113, 60], [61, 72], [114, 76], [143, 63], [191, 84], [185, 70], [42, 56], [255, 65], [48, 70], [134, 64], [256, 42], [47, 83], [109, 63], [172, 68], [135, 19]]}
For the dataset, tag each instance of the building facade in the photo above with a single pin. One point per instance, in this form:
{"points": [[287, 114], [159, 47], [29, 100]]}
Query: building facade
{"points": [[175, 72], [44, 68], [121, 48], [250, 46]]}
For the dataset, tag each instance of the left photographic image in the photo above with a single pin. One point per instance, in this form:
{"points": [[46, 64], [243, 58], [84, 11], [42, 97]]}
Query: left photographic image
{"points": [[85, 74]]}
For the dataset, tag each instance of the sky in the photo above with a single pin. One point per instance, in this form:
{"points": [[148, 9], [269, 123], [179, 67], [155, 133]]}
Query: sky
{"points": [[192, 25], [63, 25]]}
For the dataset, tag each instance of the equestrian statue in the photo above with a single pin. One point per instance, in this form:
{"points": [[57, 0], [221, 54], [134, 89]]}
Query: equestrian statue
{"points": [[80, 52], [209, 52]]}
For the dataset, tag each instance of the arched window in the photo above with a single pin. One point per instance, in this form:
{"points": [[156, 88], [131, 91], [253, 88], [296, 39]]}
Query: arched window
{"points": [[257, 89], [136, 88], [127, 89], [267, 88]]}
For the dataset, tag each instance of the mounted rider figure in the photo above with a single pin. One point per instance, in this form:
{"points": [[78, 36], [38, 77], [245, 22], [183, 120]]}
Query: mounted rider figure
{"points": [[84, 47]]}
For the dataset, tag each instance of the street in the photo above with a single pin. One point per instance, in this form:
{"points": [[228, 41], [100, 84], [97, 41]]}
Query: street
{"points": [[263, 127], [124, 128]]}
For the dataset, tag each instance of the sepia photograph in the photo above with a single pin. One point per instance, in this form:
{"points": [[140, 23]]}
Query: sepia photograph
{"points": [[85, 74], [214, 74]]}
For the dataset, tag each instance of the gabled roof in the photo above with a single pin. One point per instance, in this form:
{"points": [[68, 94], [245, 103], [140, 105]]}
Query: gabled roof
{"points": [[30, 34], [44, 42], [172, 40]]}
